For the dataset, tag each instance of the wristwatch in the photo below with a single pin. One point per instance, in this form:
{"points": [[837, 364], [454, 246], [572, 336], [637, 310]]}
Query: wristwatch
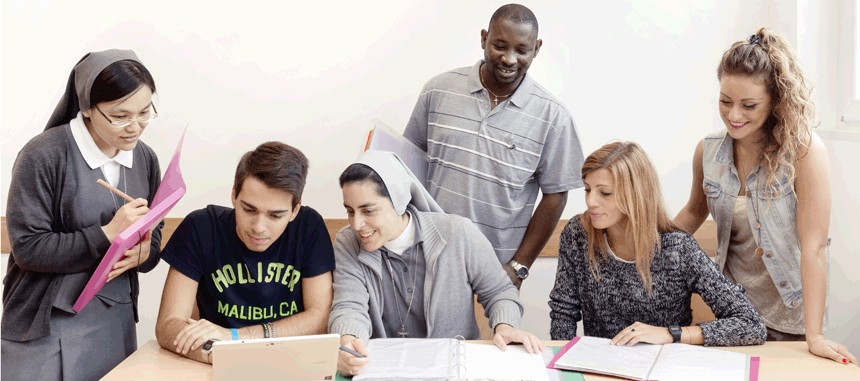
{"points": [[521, 271], [675, 330], [207, 346]]}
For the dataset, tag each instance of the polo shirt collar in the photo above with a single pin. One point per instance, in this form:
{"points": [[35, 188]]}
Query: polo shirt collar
{"points": [[520, 96], [94, 157], [475, 84]]}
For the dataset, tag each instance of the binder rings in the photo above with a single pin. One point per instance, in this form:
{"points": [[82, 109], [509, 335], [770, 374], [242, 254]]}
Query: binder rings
{"points": [[172, 189], [424, 359]]}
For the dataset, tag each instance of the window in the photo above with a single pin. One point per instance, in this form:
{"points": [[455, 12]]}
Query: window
{"points": [[850, 73]]}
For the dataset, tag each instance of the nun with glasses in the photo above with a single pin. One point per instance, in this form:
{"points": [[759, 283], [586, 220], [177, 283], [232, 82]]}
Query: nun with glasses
{"points": [[406, 269], [61, 223]]}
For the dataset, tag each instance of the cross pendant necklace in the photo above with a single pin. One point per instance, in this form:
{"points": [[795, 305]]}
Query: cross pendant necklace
{"points": [[495, 97], [402, 332]]}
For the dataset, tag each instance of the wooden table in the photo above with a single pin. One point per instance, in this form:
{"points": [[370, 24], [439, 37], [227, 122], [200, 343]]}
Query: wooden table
{"points": [[779, 361]]}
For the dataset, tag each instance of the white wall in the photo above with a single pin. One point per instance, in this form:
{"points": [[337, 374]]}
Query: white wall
{"points": [[313, 74]]}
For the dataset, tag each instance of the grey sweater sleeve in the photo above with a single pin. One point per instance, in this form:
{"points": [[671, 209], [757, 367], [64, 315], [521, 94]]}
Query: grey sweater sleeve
{"points": [[33, 209], [737, 323], [565, 311], [490, 283], [154, 171], [349, 310]]}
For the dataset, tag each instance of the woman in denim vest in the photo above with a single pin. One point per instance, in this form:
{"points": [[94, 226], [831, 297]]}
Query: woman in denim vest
{"points": [[766, 182]]}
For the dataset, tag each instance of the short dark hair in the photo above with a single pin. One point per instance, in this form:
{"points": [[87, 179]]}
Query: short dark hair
{"points": [[118, 80], [359, 172], [516, 13], [277, 165]]}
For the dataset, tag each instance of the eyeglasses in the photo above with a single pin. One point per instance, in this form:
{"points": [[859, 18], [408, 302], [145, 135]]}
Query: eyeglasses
{"points": [[142, 119]]}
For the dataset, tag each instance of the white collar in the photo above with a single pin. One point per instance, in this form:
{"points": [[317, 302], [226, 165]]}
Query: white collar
{"points": [[94, 157], [405, 240]]}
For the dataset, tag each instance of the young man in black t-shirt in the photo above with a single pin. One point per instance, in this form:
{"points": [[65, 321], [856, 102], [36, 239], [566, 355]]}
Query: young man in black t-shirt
{"points": [[259, 269]]}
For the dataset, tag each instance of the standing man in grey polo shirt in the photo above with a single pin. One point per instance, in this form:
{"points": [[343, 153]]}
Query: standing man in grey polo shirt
{"points": [[494, 138]]}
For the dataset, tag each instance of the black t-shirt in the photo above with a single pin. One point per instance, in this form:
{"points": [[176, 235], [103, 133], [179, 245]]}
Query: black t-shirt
{"points": [[238, 287]]}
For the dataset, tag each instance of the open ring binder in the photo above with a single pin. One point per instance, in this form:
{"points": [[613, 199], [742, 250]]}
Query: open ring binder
{"points": [[426, 359]]}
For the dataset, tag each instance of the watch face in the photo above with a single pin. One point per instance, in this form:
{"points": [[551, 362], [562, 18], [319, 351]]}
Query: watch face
{"points": [[523, 272]]}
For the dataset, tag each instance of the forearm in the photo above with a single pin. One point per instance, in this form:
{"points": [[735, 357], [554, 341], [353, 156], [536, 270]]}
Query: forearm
{"points": [[737, 323], [562, 326], [692, 335], [352, 323], [689, 221], [505, 311], [52, 252], [813, 274], [166, 332], [541, 227], [154, 250], [416, 127], [308, 322]]}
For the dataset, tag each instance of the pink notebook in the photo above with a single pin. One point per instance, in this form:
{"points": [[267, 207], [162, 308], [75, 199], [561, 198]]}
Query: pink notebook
{"points": [[172, 189]]}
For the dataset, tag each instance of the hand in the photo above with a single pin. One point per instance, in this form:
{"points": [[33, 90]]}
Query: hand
{"points": [[133, 257], [506, 334], [196, 333], [513, 275], [823, 347], [348, 364], [124, 217], [642, 333]]}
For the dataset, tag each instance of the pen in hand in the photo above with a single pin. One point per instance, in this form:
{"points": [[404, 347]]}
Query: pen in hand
{"points": [[352, 352], [115, 190]]}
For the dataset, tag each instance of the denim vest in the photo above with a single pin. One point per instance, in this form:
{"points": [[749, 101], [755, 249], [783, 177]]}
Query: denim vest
{"points": [[772, 221]]}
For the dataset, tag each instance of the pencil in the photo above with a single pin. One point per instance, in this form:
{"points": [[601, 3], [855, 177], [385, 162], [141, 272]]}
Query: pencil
{"points": [[114, 190]]}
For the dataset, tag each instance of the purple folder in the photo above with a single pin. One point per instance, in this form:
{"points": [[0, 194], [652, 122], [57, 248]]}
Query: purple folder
{"points": [[172, 189]]}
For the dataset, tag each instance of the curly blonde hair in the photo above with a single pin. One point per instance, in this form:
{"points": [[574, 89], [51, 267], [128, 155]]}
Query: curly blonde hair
{"points": [[769, 59], [637, 192]]}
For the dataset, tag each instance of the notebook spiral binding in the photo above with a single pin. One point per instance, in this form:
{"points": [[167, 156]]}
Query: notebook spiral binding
{"points": [[458, 356]]}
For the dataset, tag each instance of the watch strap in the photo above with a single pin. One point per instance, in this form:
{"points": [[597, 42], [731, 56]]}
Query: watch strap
{"points": [[675, 330]]}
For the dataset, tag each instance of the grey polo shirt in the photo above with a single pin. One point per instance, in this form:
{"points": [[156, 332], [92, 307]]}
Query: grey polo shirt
{"points": [[489, 164]]}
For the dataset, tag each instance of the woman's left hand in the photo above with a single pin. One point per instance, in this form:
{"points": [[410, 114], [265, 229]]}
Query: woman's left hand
{"points": [[642, 333], [830, 349], [507, 334], [133, 257]]}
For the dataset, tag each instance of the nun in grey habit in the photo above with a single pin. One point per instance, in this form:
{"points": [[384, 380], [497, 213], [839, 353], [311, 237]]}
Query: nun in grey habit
{"points": [[61, 223]]}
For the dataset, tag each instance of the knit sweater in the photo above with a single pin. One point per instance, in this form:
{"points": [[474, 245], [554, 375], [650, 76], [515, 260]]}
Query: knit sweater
{"points": [[619, 298], [460, 262]]}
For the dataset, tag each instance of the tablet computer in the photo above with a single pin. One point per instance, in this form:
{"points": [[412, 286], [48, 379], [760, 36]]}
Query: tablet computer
{"points": [[297, 358]]}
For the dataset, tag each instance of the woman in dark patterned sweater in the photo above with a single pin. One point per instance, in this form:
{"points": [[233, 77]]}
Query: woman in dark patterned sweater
{"points": [[628, 272]]}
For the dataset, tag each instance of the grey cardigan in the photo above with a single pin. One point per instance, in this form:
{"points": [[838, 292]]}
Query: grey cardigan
{"points": [[44, 249], [460, 262]]}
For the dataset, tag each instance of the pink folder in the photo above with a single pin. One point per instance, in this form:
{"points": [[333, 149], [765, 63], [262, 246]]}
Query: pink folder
{"points": [[172, 189]]}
